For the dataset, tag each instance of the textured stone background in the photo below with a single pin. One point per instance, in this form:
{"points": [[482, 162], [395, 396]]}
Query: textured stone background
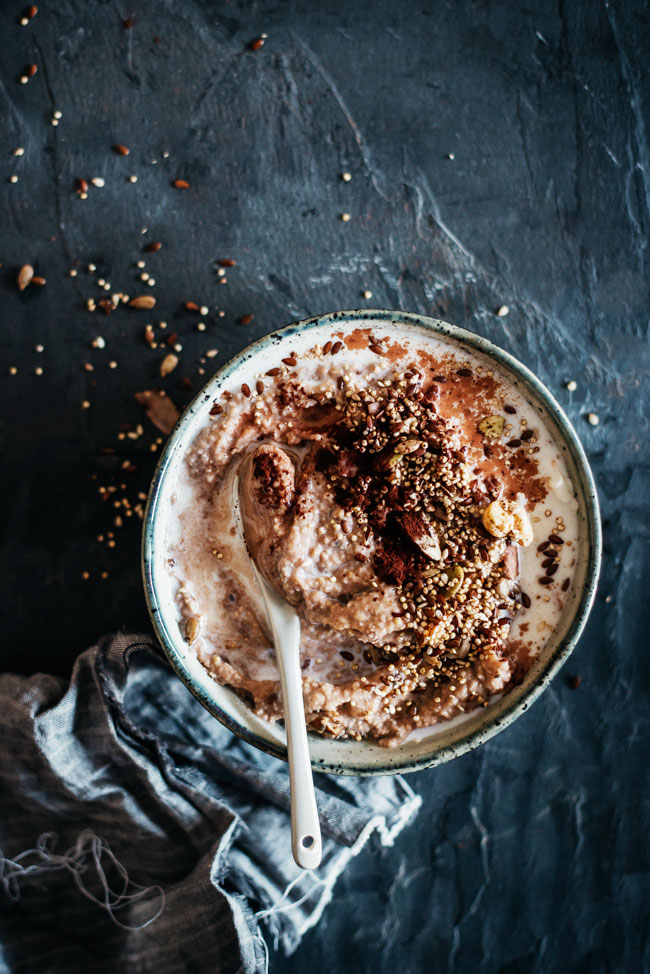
{"points": [[532, 853]]}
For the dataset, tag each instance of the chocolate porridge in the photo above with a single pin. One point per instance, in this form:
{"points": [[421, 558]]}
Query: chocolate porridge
{"points": [[412, 506]]}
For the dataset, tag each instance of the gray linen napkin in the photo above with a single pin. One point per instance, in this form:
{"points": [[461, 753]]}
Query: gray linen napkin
{"points": [[138, 834]]}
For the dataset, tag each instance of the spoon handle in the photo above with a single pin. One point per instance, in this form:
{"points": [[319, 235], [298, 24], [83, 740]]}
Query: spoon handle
{"points": [[305, 828]]}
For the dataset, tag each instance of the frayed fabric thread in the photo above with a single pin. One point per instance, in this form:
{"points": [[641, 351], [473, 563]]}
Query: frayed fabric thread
{"points": [[82, 861]]}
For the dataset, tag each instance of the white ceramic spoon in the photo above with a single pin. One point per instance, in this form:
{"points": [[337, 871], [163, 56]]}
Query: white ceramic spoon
{"points": [[285, 628]]}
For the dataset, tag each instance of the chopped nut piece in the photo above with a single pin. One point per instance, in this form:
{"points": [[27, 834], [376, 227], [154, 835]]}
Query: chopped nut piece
{"points": [[143, 302], [500, 522], [497, 521], [422, 534], [25, 275], [168, 364], [159, 408]]}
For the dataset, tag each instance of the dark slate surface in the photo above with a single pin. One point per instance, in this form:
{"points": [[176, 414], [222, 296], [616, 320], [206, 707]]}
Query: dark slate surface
{"points": [[530, 854]]}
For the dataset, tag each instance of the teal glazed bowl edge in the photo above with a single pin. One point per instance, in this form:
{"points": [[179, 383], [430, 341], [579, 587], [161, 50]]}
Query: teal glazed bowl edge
{"points": [[351, 757]]}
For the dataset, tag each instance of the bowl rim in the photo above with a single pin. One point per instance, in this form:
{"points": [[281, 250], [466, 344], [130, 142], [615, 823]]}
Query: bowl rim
{"points": [[480, 735]]}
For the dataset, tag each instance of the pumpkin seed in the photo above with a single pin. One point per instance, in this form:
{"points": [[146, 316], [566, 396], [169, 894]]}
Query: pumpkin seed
{"points": [[492, 427], [455, 575]]}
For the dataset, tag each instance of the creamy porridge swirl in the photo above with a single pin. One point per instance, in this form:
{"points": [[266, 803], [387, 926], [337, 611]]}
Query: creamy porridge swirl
{"points": [[413, 507]]}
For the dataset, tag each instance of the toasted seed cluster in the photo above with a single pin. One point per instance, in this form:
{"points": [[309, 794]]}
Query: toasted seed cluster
{"points": [[395, 463]]}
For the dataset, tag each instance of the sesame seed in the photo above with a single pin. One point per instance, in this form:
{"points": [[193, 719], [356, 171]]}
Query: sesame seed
{"points": [[346, 217], [572, 385], [593, 419], [503, 311]]}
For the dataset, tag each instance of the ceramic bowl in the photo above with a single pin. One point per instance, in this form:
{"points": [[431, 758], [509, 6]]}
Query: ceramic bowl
{"points": [[429, 746]]}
